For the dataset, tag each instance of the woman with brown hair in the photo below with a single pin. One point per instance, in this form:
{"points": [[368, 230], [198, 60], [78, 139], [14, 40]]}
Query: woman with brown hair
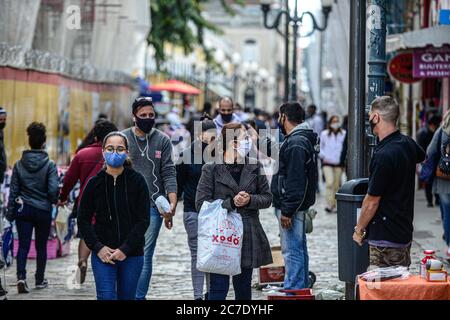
{"points": [[242, 185]]}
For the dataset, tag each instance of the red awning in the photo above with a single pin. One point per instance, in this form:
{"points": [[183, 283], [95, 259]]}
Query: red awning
{"points": [[176, 86]]}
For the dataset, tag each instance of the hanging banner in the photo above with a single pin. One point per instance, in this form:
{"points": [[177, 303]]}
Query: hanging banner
{"points": [[400, 68], [432, 62]]}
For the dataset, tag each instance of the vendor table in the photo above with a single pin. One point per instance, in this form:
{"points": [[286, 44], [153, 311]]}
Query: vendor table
{"points": [[413, 288]]}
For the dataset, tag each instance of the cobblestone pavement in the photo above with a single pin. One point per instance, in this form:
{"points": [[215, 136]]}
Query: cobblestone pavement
{"points": [[171, 274]]}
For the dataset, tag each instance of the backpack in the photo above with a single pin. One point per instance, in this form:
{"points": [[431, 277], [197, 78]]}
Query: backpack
{"points": [[311, 172], [443, 168]]}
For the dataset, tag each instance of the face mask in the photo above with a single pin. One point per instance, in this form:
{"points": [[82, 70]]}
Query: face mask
{"points": [[244, 147], [2, 125], [335, 126], [226, 117], [281, 126], [372, 124], [115, 160], [145, 125]]}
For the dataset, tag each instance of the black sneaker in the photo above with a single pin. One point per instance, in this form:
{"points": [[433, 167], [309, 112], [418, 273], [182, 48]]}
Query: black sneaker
{"points": [[42, 285], [22, 287]]}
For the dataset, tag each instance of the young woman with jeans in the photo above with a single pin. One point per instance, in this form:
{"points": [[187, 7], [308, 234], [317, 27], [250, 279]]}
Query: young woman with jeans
{"points": [[113, 218], [33, 191]]}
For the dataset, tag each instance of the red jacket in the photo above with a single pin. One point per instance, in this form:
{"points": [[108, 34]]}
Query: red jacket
{"points": [[86, 164]]}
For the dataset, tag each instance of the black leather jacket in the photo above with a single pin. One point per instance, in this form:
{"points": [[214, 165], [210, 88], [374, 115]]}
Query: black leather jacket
{"points": [[294, 186]]}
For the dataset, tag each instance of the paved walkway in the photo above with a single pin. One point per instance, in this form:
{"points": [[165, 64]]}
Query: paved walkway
{"points": [[171, 275]]}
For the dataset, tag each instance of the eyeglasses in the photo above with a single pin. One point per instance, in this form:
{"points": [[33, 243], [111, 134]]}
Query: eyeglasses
{"points": [[118, 150]]}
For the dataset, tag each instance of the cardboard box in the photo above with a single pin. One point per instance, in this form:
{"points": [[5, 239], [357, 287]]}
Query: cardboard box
{"points": [[437, 276], [273, 274]]}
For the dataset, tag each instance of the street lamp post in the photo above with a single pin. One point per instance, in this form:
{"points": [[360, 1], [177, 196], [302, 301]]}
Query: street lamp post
{"points": [[295, 20], [376, 24]]}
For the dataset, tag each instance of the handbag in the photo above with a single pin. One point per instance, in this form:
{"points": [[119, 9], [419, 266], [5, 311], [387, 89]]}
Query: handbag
{"points": [[443, 167], [430, 165], [310, 215]]}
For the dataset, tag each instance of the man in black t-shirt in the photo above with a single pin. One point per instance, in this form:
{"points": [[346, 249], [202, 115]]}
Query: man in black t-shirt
{"points": [[388, 209]]}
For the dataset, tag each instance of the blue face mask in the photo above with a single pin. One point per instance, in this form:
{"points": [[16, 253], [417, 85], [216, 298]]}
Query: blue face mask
{"points": [[114, 159]]}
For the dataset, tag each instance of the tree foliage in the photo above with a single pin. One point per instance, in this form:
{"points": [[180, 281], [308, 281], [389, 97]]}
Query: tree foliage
{"points": [[180, 23]]}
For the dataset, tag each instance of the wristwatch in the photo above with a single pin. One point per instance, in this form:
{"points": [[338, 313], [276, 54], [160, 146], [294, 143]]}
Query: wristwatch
{"points": [[361, 233]]}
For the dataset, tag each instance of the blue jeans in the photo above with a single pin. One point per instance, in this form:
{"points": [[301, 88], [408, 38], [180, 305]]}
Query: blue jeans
{"points": [[219, 285], [40, 220], [118, 281], [198, 277], [295, 253], [150, 243], [445, 211]]}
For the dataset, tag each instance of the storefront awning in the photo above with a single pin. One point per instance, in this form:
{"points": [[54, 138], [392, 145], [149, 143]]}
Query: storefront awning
{"points": [[220, 90], [436, 36], [176, 86]]}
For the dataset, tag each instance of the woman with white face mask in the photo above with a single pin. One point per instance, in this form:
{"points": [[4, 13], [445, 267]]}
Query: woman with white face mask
{"points": [[331, 146], [240, 182]]}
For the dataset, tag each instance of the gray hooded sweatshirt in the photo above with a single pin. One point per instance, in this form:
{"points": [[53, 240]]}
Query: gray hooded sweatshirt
{"points": [[154, 162]]}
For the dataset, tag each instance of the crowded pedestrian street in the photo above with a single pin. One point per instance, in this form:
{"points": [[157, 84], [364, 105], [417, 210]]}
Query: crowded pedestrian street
{"points": [[172, 259], [247, 154]]}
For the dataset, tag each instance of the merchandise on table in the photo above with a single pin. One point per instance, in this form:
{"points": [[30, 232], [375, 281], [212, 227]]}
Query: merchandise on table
{"points": [[384, 274], [435, 271], [429, 254]]}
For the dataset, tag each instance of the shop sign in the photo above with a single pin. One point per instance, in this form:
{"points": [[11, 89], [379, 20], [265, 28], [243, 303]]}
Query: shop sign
{"points": [[400, 68], [432, 62]]}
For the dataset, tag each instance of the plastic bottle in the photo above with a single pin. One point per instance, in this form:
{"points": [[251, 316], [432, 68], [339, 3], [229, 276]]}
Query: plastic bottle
{"points": [[429, 254]]}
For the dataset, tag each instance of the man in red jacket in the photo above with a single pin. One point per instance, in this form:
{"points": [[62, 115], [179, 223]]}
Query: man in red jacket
{"points": [[85, 165]]}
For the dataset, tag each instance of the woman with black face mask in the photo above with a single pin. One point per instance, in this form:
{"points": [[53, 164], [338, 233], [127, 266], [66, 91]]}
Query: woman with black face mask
{"points": [[189, 171]]}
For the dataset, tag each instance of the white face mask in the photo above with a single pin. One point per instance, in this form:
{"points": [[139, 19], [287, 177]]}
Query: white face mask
{"points": [[244, 147], [335, 126]]}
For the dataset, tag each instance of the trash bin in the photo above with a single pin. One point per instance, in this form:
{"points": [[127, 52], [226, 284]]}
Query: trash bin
{"points": [[353, 259]]}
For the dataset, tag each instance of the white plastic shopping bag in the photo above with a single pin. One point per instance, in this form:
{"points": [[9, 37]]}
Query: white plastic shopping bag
{"points": [[219, 240]]}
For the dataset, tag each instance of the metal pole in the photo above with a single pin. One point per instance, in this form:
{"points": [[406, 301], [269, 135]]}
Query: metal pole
{"points": [[294, 55], [286, 54], [357, 81], [356, 103], [377, 61]]}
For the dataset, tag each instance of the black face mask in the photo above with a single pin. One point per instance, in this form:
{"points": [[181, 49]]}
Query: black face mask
{"points": [[2, 125], [281, 126], [226, 117], [145, 125], [372, 124]]}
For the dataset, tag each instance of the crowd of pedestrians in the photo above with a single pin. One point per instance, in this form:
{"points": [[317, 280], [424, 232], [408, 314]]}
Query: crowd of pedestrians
{"points": [[121, 174]]}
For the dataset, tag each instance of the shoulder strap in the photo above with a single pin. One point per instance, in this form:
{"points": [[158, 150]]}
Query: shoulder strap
{"points": [[309, 146]]}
